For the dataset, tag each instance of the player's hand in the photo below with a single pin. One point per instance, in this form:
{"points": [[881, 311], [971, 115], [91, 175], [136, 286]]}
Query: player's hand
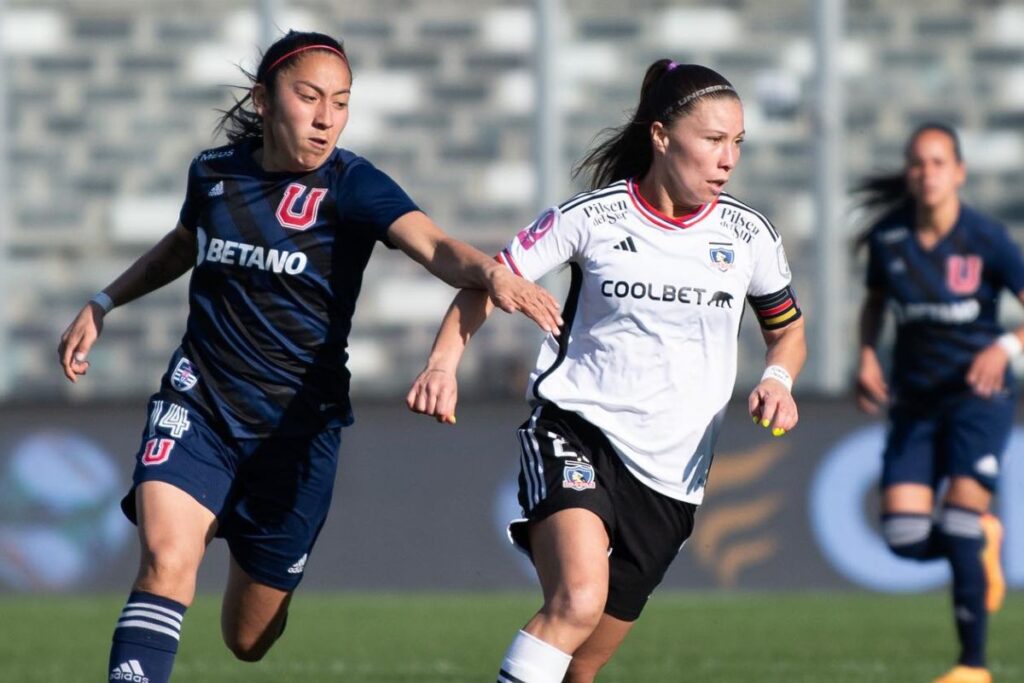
{"points": [[511, 293], [988, 370], [872, 391], [78, 338], [434, 392], [772, 406]]}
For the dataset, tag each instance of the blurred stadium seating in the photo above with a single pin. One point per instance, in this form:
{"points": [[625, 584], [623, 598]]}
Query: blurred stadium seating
{"points": [[108, 100]]}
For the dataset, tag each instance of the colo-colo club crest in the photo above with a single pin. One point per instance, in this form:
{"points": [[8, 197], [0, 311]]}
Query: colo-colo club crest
{"points": [[722, 258], [578, 476]]}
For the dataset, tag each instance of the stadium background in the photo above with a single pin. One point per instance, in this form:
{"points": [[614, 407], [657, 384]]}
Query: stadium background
{"points": [[478, 109]]}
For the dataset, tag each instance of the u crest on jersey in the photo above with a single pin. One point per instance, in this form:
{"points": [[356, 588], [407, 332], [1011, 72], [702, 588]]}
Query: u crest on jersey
{"points": [[289, 217], [963, 274]]}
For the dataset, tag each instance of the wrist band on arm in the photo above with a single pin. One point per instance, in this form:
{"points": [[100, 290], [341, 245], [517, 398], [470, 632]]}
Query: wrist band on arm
{"points": [[103, 300], [777, 372], [1011, 343]]}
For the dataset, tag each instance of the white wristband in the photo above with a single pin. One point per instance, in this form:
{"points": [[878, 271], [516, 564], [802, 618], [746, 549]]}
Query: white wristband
{"points": [[1011, 343], [777, 372], [103, 300]]}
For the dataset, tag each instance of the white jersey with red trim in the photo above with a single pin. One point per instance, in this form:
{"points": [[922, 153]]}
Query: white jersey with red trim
{"points": [[648, 352]]}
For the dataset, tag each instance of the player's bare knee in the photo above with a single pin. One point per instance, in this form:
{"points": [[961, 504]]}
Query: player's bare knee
{"points": [[168, 574], [580, 605]]}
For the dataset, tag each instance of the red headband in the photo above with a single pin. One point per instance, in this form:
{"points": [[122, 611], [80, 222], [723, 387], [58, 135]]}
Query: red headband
{"points": [[303, 49]]}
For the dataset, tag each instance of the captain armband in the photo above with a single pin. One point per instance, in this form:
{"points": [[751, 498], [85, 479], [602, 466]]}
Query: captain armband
{"points": [[775, 311]]}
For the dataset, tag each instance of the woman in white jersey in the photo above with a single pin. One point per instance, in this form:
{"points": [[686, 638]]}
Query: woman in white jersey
{"points": [[629, 398]]}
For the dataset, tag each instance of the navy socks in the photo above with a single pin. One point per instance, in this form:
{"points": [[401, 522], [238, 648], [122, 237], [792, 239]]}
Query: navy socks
{"points": [[145, 639]]}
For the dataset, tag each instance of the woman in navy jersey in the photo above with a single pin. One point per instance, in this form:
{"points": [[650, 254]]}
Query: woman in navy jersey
{"points": [[242, 438], [628, 400], [940, 265]]}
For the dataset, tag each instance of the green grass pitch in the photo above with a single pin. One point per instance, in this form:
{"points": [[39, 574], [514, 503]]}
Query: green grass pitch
{"points": [[395, 638]]}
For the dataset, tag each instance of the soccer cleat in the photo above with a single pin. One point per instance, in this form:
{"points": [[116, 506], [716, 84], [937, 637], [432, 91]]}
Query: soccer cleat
{"points": [[966, 674], [995, 581]]}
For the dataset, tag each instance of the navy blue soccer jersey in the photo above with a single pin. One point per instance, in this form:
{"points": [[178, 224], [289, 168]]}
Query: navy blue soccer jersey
{"points": [[944, 298], [279, 267]]}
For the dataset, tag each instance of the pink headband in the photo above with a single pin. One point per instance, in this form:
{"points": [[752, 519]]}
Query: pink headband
{"points": [[303, 49]]}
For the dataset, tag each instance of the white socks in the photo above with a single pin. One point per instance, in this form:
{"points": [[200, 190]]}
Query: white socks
{"points": [[530, 660]]}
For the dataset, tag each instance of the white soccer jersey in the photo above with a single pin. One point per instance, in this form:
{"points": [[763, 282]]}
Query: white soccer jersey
{"points": [[649, 349]]}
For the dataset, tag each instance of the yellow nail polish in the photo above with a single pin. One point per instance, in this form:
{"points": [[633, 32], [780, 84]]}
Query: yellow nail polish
{"points": [[778, 431], [765, 423], [755, 418], [451, 419]]}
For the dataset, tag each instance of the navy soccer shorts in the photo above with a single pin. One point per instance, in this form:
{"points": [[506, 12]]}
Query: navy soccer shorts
{"points": [[568, 463], [270, 495], [961, 436]]}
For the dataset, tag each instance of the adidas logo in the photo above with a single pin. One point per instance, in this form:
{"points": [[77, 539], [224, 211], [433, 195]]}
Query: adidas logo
{"points": [[988, 466], [217, 190], [626, 245], [298, 566], [129, 671]]}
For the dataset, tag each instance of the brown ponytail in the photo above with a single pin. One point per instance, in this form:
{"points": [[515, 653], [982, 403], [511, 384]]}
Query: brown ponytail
{"points": [[669, 92]]}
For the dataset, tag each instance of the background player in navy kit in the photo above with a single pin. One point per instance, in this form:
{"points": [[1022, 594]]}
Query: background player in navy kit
{"points": [[243, 435], [629, 399], [940, 265]]}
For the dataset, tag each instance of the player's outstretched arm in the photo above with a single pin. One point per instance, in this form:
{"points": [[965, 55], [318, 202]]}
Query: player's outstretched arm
{"points": [[168, 260], [435, 390], [771, 402], [872, 391], [464, 266]]}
